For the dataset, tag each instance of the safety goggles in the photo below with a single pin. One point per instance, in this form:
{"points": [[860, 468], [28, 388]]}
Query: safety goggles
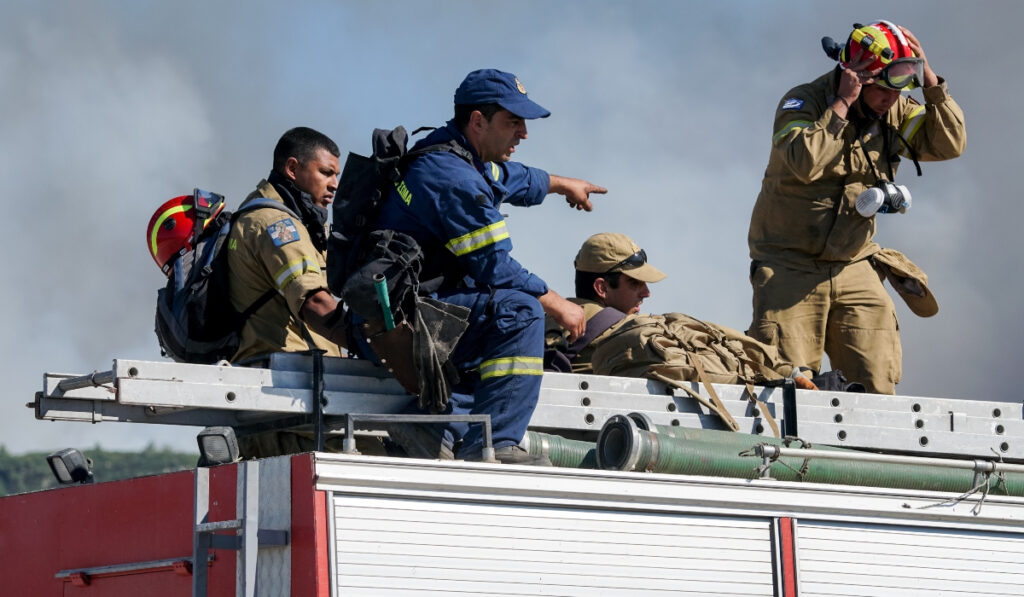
{"points": [[632, 262], [902, 73]]}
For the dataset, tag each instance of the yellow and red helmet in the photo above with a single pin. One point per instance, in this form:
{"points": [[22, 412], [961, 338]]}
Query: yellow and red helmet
{"points": [[894, 59], [172, 229]]}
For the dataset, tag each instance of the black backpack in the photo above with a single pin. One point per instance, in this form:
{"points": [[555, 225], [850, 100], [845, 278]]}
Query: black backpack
{"points": [[364, 182], [195, 321]]}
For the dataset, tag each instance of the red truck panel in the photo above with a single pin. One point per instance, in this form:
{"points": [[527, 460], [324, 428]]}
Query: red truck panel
{"points": [[309, 532], [142, 520], [106, 524]]}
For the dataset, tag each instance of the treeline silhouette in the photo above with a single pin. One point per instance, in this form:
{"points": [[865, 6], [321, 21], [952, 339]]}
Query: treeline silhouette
{"points": [[30, 472]]}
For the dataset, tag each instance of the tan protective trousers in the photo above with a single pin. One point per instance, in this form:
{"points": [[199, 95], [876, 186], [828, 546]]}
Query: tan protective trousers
{"points": [[843, 311]]}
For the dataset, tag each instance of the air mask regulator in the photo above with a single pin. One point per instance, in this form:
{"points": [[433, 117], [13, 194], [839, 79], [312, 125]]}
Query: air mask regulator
{"points": [[882, 198]]}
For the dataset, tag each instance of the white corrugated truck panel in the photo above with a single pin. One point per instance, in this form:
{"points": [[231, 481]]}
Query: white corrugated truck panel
{"points": [[389, 546], [871, 560]]}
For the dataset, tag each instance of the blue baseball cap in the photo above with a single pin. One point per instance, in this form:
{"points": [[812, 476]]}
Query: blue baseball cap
{"points": [[489, 86]]}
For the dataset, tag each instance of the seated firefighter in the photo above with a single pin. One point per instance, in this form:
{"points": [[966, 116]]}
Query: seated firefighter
{"points": [[276, 258], [612, 277], [276, 262]]}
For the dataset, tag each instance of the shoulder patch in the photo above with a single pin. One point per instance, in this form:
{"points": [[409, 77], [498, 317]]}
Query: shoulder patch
{"points": [[792, 103], [283, 232]]}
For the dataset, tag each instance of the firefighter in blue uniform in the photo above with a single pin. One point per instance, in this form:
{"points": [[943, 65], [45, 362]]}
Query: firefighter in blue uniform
{"points": [[450, 206]]}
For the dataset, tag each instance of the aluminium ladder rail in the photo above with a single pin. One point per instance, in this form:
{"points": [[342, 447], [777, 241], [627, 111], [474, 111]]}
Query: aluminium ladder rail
{"points": [[572, 405]]}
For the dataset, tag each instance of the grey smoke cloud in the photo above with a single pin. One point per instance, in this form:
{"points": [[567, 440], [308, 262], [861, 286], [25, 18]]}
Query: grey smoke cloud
{"points": [[111, 108]]}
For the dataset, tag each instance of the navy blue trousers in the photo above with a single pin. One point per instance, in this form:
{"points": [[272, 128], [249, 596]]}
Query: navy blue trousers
{"points": [[500, 358]]}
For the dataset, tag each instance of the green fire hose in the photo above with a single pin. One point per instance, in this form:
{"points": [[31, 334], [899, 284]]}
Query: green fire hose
{"points": [[632, 443], [564, 452]]}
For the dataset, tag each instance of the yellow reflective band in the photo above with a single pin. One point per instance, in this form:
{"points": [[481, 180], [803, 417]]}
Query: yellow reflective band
{"points": [[913, 123], [403, 192], [511, 366], [177, 209], [488, 235], [796, 125], [495, 171], [293, 270]]}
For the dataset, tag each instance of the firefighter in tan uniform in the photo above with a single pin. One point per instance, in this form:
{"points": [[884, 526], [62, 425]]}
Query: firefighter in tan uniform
{"points": [[612, 277], [285, 253], [268, 248], [815, 271]]}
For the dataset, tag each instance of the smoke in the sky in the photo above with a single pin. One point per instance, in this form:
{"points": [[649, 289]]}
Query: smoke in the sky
{"points": [[110, 108]]}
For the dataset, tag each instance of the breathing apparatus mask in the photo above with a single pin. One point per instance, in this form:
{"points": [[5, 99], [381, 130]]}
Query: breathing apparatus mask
{"points": [[882, 198], [885, 197]]}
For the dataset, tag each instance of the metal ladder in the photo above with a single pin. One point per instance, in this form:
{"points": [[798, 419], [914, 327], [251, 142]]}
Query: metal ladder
{"points": [[570, 404]]}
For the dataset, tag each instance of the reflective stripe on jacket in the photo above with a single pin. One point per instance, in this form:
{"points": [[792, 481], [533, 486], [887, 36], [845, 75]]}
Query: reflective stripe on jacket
{"points": [[805, 213], [451, 208], [291, 266]]}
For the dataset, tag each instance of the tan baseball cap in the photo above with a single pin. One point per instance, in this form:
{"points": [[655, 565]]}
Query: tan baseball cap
{"points": [[610, 252], [908, 280]]}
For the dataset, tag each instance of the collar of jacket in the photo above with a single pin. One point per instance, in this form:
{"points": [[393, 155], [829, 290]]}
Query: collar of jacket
{"points": [[454, 133], [314, 217], [450, 131]]}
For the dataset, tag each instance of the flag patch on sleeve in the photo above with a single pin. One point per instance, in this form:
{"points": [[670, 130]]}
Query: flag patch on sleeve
{"points": [[792, 103], [283, 232]]}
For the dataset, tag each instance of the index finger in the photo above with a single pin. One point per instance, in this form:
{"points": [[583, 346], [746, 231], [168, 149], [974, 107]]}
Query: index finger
{"points": [[582, 205], [596, 189]]}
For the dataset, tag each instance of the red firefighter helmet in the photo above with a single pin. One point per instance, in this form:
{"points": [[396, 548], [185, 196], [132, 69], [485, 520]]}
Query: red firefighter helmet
{"points": [[173, 225], [893, 57]]}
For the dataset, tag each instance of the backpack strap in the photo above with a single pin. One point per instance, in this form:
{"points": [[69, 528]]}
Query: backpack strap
{"points": [[596, 325], [744, 360], [719, 407], [256, 305], [450, 146], [559, 360], [259, 203], [264, 202]]}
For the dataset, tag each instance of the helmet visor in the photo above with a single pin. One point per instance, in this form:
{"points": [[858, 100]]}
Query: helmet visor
{"points": [[904, 73]]}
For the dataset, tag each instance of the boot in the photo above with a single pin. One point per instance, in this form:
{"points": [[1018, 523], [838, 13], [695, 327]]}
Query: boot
{"points": [[514, 455]]}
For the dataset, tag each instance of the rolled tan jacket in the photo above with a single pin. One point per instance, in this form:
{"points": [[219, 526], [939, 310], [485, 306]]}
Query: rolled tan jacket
{"points": [[267, 248], [663, 347], [804, 216]]}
